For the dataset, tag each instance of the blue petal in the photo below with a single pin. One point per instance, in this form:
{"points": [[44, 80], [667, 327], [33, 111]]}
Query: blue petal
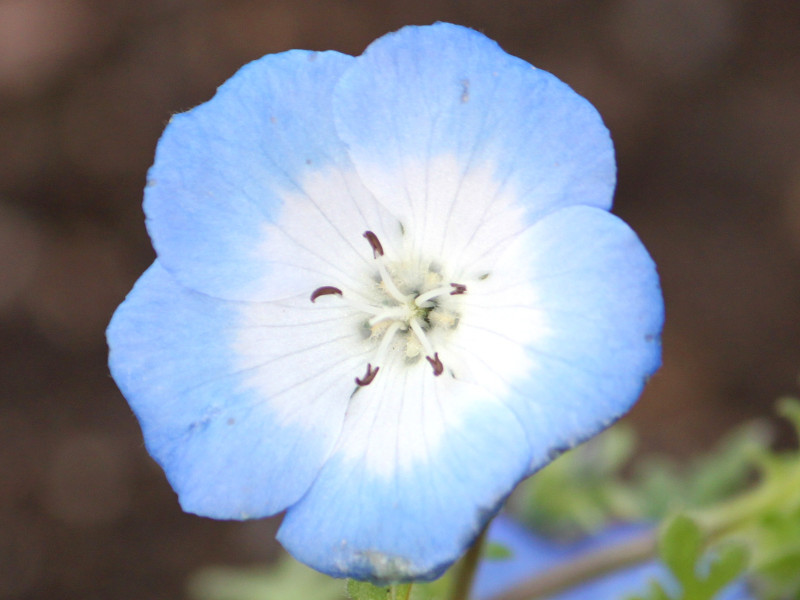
{"points": [[239, 417], [424, 95], [422, 464], [576, 331], [252, 195]]}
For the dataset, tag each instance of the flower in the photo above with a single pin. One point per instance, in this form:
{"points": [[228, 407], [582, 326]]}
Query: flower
{"points": [[532, 555], [387, 289]]}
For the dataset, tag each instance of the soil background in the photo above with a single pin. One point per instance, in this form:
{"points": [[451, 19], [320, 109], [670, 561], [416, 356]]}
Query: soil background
{"points": [[703, 102]]}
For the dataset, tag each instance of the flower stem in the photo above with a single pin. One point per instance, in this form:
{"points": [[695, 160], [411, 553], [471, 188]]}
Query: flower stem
{"points": [[584, 569], [400, 591], [466, 569]]}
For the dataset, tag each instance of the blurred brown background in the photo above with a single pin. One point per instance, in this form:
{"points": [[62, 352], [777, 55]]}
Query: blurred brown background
{"points": [[703, 101]]}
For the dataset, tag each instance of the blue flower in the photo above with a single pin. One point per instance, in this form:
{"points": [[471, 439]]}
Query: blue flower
{"points": [[533, 555], [387, 289]]}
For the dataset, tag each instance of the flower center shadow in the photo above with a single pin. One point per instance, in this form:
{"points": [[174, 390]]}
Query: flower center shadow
{"points": [[411, 302]]}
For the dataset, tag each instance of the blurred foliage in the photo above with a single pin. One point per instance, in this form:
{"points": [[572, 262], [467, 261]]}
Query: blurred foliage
{"points": [[584, 489], [495, 551], [287, 579], [767, 517], [734, 511], [698, 576], [581, 490]]}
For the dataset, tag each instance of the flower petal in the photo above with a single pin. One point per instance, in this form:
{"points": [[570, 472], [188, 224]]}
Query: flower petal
{"points": [[239, 402], [450, 132], [252, 195], [422, 463], [573, 314]]}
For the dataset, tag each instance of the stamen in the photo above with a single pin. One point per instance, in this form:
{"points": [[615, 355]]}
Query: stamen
{"points": [[377, 249], [423, 339], [388, 336], [411, 315], [349, 300], [390, 285], [325, 290], [377, 252], [454, 289], [438, 367], [397, 312], [370, 375]]}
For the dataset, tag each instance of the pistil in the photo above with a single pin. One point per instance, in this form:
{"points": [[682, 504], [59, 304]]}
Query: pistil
{"points": [[393, 313]]}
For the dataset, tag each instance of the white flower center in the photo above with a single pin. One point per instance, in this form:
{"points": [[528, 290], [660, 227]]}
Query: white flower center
{"points": [[409, 301]]}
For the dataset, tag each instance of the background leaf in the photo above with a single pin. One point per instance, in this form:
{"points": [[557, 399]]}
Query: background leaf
{"points": [[286, 579]]}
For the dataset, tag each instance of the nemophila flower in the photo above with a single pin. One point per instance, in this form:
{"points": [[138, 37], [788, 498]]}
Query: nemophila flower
{"points": [[532, 555], [387, 289]]}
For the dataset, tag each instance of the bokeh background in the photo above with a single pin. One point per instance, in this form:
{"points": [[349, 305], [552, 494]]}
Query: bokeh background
{"points": [[703, 101]]}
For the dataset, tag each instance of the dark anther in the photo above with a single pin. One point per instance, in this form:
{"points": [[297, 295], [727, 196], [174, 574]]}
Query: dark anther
{"points": [[368, 377], [377, 249], [325, 290], [458, 288], [438, 367]]}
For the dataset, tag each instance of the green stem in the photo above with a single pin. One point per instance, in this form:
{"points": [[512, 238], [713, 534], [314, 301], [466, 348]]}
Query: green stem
{"points": [[466, 569], [734, 514], [586, 568], [400, 591]]}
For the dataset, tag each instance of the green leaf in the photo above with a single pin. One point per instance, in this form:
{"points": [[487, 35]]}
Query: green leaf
{"points": [[768, 516], [660, 488], [680, 546], [728, 468], [778, 553], [495, 551], [657, 592], [700, 576], [784, 566], [726, 565]]}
